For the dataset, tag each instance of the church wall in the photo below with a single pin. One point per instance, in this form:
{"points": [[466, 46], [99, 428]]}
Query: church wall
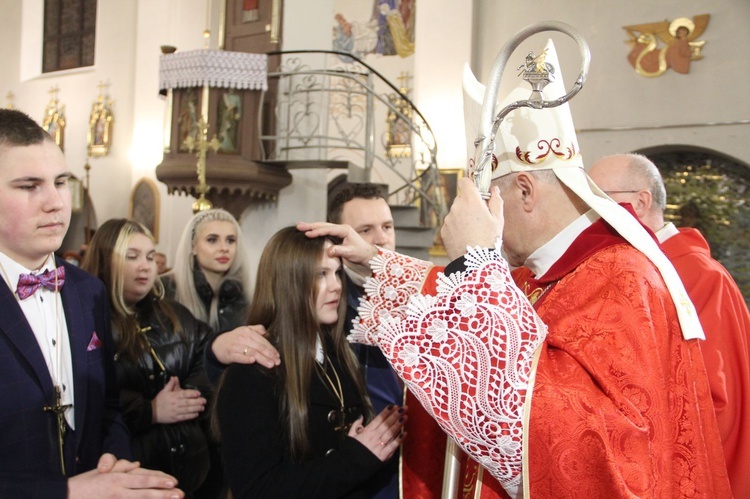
{"points": [[114, 63], [179, 23], [444, 45], [306, 25], [130, 33], [615, 96]]}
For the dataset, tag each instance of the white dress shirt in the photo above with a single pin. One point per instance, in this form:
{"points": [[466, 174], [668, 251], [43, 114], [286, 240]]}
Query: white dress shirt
{"points": [[45, 314]]}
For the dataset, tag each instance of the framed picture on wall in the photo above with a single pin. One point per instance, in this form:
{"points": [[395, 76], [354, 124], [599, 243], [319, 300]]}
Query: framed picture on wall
{"points": [[101, 122], [448, 184], [76, 194], [54, 121], [144, 205]]}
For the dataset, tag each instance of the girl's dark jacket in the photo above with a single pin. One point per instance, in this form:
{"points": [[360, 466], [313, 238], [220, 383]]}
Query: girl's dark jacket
{"points": [[180, 449]]}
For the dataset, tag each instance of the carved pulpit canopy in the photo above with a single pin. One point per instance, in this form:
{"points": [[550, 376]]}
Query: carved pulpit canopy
{"points": [[222, 89]]}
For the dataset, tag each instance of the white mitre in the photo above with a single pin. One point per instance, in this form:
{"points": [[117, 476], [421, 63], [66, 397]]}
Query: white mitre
{"points": [[544, 139]]}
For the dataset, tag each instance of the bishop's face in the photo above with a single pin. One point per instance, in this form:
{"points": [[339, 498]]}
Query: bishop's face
{"points": [[516, 223]]}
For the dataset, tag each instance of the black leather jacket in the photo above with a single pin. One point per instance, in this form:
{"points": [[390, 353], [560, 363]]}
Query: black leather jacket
{"points": [[232, 306], [180, 449]]}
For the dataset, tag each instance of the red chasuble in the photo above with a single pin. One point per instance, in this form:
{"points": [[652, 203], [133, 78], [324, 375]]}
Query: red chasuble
{"points": [[605, 400], [423, 451], [726, 351], [621, 404], [422, 454]]}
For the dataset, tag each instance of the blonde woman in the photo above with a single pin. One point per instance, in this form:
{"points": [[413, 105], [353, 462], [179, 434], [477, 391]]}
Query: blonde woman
{"points": [[159, 360], [211, 275]]}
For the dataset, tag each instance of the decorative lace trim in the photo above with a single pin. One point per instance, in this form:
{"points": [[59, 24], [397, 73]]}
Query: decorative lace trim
{"points": [[396, 278], [215, 68], [549, 148], [466, 354]]}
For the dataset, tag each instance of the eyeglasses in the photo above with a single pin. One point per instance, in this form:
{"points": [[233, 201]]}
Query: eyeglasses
{"points": [[620, 192]]}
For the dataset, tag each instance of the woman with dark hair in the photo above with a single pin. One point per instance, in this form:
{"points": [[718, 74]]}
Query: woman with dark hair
{"points": [[304, 428], [159, 360]]}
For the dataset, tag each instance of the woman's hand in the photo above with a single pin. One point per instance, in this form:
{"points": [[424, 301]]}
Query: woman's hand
{"points": [[384, 434], [173, 404], [245, 345]]}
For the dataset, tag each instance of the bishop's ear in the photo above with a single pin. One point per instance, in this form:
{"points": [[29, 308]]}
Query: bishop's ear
{"points": [[642, 202], [525, 184]]}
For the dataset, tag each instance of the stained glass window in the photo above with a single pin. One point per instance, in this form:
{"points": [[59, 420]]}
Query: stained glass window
{"points": [[69, 34]]}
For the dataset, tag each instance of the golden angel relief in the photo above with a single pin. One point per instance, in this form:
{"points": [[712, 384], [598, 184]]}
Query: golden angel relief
{"points": [[656, 47]]}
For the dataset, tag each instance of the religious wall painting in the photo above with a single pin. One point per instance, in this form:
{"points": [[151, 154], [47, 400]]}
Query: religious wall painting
{"points": [[385, 27], [658, 46], [54, 119], [75, 185], [144, 205], [101, 123], [229, 111], [399, 118], [187, 122], [250, 11], [446, 191], [252, 25]]}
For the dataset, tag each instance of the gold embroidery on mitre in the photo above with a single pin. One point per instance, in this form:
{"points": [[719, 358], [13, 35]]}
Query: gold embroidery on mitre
{"points": [[548, 149]]}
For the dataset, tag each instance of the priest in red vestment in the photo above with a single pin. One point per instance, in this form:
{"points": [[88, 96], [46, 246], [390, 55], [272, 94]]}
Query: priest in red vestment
{"points": [[634, 179], [578, 376]]}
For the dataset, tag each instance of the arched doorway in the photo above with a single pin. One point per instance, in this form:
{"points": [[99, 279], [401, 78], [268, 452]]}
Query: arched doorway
{"points": [[709, 190]]}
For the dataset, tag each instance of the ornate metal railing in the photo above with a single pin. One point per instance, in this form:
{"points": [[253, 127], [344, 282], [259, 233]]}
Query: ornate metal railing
{"points": [[332, 108]]}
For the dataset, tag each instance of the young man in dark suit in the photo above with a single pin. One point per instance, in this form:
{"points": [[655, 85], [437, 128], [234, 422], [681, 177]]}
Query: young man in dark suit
{"points": [[363, 207], [60, 426], [418, 471]]}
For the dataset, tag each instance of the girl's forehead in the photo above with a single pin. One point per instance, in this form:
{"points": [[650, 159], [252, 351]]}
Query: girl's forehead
{"points": [[222, 227], [140, 241]]}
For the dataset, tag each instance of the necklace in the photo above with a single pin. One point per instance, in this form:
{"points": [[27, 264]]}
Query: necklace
{"points": [[143, 331], [59, 409], [337, 391]]}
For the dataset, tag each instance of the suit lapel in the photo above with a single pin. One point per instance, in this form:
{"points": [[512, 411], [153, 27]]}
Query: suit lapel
{"points": [[16, 328], [78, 337]]}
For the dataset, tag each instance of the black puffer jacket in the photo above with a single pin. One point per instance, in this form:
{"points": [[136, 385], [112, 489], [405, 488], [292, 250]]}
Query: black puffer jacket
{"points": [[180, 449], [232, 305]]}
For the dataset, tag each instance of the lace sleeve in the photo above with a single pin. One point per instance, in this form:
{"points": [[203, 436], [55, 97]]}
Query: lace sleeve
{"points": [[466, 354], [395, 279]]}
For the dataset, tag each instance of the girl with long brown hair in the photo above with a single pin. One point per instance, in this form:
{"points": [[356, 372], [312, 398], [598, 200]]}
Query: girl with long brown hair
{"points": [[303, 429]]}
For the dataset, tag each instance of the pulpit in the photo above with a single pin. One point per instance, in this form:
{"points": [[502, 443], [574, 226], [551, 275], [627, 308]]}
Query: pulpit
{"points": [[220, 89]]}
